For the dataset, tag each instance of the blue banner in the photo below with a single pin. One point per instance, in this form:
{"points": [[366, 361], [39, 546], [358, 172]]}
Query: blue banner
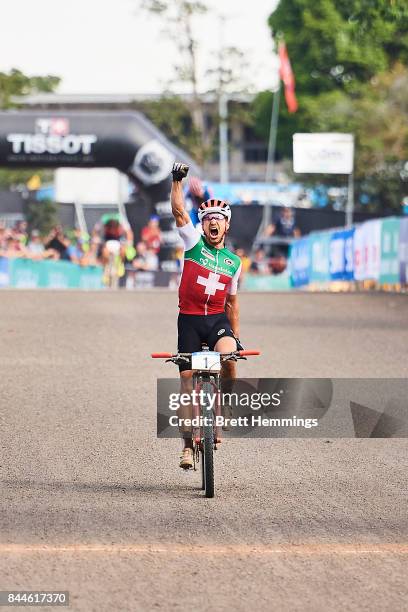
{"points": [[4, 272], [300, 262], [319, 257], [403, 251], [341, 263]]}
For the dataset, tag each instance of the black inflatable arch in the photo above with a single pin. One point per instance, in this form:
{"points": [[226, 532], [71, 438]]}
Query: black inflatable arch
{"points": [[122, 140]]}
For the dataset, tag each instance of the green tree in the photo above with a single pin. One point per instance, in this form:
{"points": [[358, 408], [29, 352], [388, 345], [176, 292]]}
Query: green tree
{"points": [[14, 84], [171, 114], [341, 44], [42, 216], [380, 121], [333, 46], [187, 120], [348, 62], [178, 18]]}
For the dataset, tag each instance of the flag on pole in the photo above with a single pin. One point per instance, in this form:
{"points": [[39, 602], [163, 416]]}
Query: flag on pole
{"points": [[288, 78]]}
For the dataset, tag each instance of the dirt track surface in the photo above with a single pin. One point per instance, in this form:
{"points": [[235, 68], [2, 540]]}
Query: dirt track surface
{"points": [[93, 503]]}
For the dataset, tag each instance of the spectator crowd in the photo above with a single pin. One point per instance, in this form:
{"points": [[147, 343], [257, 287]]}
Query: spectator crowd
{"points": [[268, 257], [78, 247], [74, 246]]}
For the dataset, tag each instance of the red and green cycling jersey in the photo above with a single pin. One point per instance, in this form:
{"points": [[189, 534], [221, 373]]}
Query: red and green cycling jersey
{"points": [[209, 274]]}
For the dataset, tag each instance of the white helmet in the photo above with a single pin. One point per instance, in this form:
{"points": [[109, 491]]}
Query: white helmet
{"points": [[214, 206]]}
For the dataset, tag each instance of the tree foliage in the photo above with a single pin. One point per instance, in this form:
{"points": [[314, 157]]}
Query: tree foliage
{"points": [[380, 118], [177, 17], [13, 84], [188, 121], [42, 216], [16, 83], [171, 114], [348, 58], [340, 44]]}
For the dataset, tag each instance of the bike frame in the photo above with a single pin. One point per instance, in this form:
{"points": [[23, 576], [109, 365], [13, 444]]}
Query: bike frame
{"points": [[198, 378], [206, 436]]}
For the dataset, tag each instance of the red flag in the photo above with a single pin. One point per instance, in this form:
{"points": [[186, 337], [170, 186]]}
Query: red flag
{"points": [[288, 78]]}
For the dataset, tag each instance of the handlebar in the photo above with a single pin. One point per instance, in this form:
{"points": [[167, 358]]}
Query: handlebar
{"points": [[226, 356]]}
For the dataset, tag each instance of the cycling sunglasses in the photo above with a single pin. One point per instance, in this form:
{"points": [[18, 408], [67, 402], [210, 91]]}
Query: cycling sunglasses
{"points": [[216, 216]]}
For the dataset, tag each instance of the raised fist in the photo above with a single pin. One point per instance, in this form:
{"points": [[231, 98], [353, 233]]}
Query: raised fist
{"points": [[179, 171]]}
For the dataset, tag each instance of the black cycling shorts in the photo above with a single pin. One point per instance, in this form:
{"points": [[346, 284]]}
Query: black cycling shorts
{"points": [[194, 330]]}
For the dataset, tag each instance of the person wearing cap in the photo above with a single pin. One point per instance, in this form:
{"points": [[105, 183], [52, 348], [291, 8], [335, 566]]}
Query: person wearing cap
{"points": [[208, 302]]}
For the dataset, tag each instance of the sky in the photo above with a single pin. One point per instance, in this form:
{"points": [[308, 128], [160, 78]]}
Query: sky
{"points": [[111, 46]]}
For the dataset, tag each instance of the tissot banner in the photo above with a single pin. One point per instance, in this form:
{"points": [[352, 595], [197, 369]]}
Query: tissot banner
{"points": [[126, 141]]}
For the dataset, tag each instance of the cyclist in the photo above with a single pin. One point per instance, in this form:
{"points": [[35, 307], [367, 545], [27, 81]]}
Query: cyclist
{"points": [[208, 301], [113, 230], [117, 242]]}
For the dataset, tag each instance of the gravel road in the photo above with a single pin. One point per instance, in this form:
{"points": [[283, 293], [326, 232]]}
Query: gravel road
{"points": [[93, 503]]}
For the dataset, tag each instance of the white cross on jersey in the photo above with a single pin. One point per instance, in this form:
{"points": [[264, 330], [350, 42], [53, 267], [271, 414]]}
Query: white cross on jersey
{"points": [[211, 283]]}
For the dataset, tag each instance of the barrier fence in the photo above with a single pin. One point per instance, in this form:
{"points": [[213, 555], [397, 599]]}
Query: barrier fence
{"points": [[373, 254], [29, 274]]}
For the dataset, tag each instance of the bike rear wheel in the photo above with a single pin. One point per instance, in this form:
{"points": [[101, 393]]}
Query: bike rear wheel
{"points": [[208, 442], [202, 469]]}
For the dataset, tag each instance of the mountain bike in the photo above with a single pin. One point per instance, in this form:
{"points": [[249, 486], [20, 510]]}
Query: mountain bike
{"points": [[206, 366], [114, 268]]}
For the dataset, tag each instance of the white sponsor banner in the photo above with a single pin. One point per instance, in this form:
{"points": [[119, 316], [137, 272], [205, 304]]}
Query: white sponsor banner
{"points": [[373, 248], [358, 247], [367, 250], [336, 259], [325, 153], [91, 186]]}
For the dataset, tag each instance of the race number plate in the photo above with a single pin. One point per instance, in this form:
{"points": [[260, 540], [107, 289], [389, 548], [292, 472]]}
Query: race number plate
{"points": [[206, 360]]}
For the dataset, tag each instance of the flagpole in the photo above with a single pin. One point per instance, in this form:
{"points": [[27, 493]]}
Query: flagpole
{"points": [[286, 75], [270, 164]]}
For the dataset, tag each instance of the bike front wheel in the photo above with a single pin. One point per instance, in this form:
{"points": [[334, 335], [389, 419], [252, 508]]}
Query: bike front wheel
{"points": [[208, 441]]}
